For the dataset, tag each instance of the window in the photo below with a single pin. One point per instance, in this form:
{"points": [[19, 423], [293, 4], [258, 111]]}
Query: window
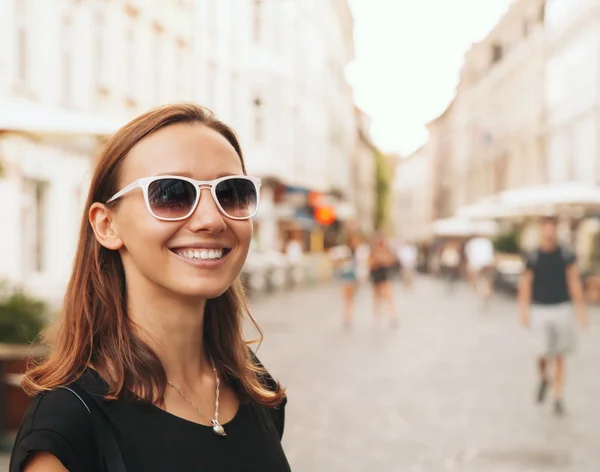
{"points": [[257, 20], [130, 65], [157, 72], [98, 54], [22, 40], [559, 157], [497, 52], [584, 146], [211, 84], [181, 72], [212, 19], [34, 225], [66, 52], [258, 119], [233, 97]]}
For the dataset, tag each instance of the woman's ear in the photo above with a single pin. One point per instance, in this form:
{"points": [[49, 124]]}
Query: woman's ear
{"points": [[104, 227]]}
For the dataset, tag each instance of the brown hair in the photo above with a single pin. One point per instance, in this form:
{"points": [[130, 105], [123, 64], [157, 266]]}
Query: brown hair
{"points": [[94, 327]]}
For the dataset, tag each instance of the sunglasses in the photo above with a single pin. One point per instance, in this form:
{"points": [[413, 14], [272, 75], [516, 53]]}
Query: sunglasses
{"points": [[174, 198]]}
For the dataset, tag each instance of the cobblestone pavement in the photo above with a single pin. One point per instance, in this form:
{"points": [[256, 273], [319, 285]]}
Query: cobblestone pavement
{"points": [[451, 389]]}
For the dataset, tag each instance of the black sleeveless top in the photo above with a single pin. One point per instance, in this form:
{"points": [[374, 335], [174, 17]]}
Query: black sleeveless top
{"points": [[150, 438]]}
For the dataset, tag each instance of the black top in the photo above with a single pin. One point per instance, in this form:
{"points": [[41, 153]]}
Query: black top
{"points": [[150, 438], [550, 276]]}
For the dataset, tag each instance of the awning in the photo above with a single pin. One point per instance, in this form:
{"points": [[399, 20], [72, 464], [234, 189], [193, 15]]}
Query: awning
{"points": [[28, 117], [566, 193], [486, 209], [464, 227]]}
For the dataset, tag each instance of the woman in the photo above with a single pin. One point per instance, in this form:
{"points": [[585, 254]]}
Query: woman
{"points": [[381, 262], [349, 268], [153, 315]]}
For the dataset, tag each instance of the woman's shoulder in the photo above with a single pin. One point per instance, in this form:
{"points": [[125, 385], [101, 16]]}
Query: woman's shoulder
{"points": [[58, 422]]}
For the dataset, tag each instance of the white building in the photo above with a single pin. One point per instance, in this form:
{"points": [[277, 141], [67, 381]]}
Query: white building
{"points": [[573, 90], [573, 100], [73, 71], [69, 73], [276, 73]]}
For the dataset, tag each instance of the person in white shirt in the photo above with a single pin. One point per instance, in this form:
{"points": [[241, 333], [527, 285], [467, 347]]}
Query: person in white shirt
{"points": [[481, 263], [408, 257]]}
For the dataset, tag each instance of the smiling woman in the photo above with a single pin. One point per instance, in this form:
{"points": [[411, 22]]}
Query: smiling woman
{"points": [[150, 370]]}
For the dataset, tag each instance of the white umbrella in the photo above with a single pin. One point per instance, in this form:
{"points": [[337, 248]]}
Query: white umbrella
{"points": [[464, 227]]}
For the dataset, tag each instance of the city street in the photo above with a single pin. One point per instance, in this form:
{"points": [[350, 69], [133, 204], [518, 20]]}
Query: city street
{"points": [[451, 388]]}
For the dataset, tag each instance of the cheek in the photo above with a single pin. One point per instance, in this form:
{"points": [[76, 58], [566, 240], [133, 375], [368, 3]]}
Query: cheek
{"points": [[243, 232], [141, 230]]}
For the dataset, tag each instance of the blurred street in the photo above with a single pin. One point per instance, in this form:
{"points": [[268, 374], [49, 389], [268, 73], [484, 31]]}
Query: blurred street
{"points": [[451, 389]]}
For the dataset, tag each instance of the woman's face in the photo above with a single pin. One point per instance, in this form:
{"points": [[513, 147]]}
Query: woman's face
{"points": [[154, 251]]}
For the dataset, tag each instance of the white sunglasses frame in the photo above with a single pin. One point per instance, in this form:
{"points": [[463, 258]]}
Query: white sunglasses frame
{"points": [[145, 182]]}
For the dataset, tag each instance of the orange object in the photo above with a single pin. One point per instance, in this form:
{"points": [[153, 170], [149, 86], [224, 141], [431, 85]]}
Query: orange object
{"points": [[324, 215]]}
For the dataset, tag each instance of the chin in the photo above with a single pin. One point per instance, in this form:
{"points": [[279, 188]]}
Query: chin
{"points": [[202, 292]]}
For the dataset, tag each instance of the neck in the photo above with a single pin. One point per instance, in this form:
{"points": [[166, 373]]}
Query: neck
{"points": [[549, 245], [172, 327]]}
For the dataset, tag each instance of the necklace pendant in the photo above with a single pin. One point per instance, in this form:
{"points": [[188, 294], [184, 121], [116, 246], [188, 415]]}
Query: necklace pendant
{"points": [[218, 429]]}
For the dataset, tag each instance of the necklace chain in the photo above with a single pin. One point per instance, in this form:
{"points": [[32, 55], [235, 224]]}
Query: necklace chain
{"points": [[185, 397]]}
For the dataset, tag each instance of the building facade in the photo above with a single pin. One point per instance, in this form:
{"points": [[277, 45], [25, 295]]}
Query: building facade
{"points": [[362, 186], [276, 72], [573, 90], [413, 196], [441, 133], [573, 104], [499, 109], [73, 71]]}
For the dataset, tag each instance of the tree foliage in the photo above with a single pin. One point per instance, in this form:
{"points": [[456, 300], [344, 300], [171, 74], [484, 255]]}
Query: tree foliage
{"points": [[383, 187]]}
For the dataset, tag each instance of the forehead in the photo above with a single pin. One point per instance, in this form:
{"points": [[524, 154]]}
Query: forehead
{"points": [[191, 148]]}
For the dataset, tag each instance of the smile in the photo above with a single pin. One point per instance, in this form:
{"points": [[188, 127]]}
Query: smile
{"points": [[202, 254]]}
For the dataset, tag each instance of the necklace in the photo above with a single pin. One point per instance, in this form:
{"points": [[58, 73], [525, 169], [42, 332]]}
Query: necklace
{"points": [[216, 426]]}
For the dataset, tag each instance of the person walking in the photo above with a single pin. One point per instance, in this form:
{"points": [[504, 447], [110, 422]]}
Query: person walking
{"points": [[548, 289], [349, 275], [479, 252], [450, 261], [150, 370], [408, 255], [381, 263]]}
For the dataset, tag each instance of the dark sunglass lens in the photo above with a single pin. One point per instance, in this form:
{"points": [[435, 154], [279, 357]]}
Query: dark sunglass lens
{"points": [[171, 198], [237, 197]]}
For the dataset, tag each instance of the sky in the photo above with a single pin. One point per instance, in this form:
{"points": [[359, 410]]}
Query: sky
{"points": [[408, 57]]}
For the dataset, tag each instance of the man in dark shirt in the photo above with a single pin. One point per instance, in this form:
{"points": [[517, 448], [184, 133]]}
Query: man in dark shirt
{"points": [[552, 284]]}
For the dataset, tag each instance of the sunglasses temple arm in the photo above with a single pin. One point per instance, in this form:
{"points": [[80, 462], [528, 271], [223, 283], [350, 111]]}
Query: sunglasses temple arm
{"points": [[127, 189]]}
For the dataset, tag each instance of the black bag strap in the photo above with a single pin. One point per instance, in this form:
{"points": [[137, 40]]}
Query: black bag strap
{"points": [[107, 443]]}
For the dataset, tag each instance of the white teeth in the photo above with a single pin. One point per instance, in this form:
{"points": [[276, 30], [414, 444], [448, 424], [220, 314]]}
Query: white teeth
{"points": [[203, 254]]}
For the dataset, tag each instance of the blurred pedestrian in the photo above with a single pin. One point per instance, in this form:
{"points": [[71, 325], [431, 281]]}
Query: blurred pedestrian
{"points": [[408, 256], [349, 274], [150, 365], [381, 262], [479, 252], [552, 283], [450, 263]]}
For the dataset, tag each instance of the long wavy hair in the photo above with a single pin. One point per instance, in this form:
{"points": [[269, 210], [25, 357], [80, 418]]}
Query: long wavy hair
{"points": [[94, 329]]}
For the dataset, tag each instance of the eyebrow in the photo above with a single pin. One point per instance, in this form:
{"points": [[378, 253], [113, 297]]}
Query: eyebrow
{"points": [[181, 174], [189, 175]]}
